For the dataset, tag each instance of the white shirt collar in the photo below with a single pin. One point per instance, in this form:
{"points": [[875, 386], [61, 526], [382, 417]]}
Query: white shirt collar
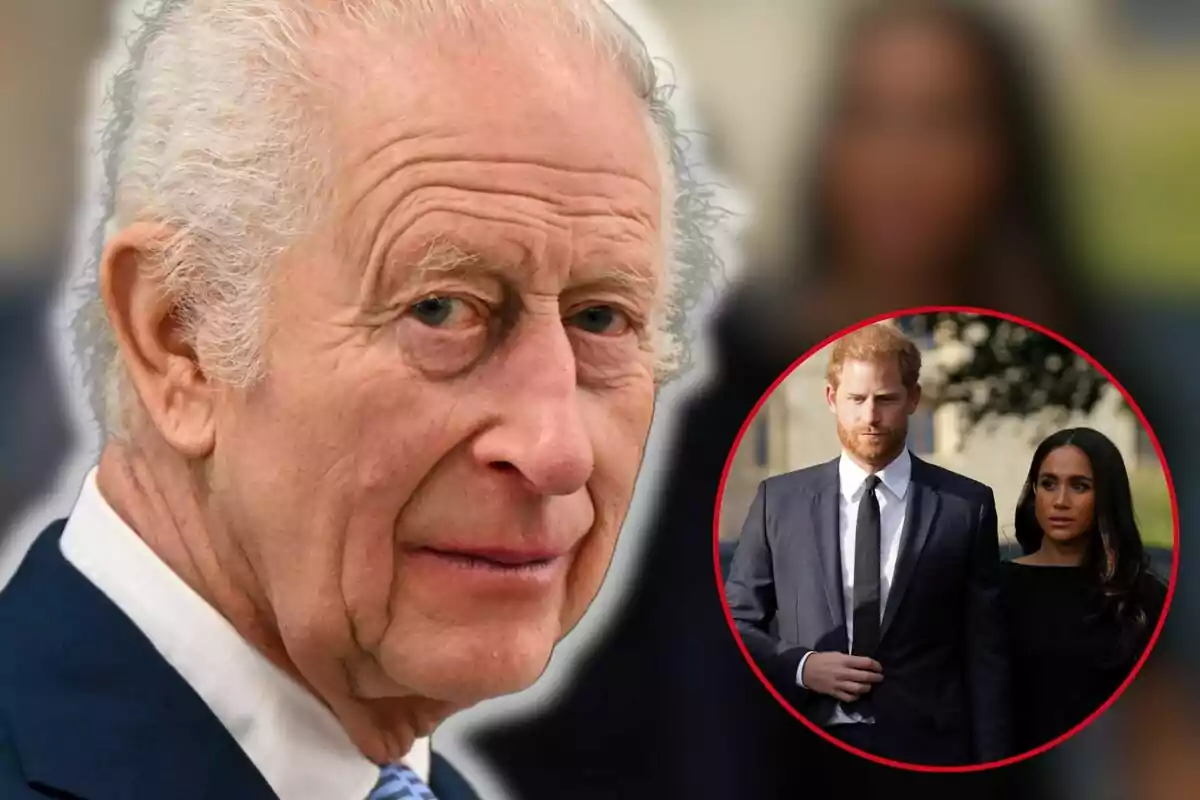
{"points": [[895, 476], [291, 737]]}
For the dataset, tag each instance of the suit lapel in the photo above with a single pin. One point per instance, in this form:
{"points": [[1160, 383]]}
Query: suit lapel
{"points": [[446, 782], [93, 709], [825, 522], [923, 503]]}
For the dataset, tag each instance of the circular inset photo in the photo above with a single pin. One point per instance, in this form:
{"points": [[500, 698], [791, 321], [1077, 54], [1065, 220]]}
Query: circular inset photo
{"points": [[946, 539]]}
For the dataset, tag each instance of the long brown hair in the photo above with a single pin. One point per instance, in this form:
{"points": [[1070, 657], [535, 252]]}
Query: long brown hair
{"points": [[1115, 559]]}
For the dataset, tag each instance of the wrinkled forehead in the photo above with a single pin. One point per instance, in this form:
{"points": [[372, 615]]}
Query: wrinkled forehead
{"points": [[529, 91]]}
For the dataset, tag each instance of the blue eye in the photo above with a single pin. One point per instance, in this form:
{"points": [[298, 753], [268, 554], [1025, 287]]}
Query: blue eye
{"points": [[444, 312], [600, 320], [433, 311]]}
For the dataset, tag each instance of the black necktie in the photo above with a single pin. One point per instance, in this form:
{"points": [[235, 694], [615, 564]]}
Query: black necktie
{"points": [[866, 572]]}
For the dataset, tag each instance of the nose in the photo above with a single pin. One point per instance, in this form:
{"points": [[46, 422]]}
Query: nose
{"points": [[1060, 498], [873, 415], [539, 431]]}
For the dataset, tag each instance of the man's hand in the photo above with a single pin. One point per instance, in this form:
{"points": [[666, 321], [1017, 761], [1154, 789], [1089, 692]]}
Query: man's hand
{"points": [[842, 676]]}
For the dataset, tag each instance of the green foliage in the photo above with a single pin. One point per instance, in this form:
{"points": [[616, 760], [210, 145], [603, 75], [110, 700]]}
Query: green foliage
{"points": [[1137, 187], [1152, 506], [1011, 369]]}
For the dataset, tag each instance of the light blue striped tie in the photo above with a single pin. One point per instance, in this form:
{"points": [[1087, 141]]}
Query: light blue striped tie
{"points": [[398, 782]]}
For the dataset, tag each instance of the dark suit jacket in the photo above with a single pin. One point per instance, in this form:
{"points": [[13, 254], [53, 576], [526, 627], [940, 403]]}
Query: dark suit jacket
{"points": [[90, 710], [944, 698]]}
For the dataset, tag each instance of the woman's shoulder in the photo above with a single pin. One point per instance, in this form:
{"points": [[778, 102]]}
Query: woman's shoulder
{"points": [[1152, 582], [1154, 592]]}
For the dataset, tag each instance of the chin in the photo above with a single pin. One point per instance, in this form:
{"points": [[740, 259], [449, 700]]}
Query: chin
{"points": [[873, 452], [1064, 537], [469, 665]]}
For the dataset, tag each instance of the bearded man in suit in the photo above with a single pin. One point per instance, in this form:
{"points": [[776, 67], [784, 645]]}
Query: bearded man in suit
{"points": [[866, 588]]}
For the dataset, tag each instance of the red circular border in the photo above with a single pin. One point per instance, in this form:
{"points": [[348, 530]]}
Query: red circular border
{"points": [[721, 579]]}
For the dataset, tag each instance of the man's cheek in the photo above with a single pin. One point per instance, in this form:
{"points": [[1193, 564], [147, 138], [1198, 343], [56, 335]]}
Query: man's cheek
{"points": [[369, 566], [587, 574]]}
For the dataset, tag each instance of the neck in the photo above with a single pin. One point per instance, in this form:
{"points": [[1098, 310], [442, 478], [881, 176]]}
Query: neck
{"points": [[842, 300], [1059, 554], [885, 287], [164, 499], [161, 497]]}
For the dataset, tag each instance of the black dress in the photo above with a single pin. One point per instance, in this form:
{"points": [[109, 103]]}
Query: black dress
{"points": [[1068, 656]]}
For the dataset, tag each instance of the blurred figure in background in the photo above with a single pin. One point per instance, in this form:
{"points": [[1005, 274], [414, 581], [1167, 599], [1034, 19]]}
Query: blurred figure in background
{"points": [[933, 176], [46, 49], [933, 182], [1160, 738], [1081, 603], [934, 186]]}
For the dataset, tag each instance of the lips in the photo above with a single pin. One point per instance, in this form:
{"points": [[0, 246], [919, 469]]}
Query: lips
{"points": [[501, 558], [1061, 520], [472, 570]]}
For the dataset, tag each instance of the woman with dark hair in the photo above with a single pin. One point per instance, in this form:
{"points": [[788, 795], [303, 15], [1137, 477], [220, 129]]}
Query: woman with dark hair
{"points": [[1081, 602], [934, 180]]}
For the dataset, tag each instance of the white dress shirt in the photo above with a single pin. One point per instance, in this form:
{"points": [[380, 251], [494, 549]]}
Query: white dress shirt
{"points": [[891, 491], [291, 737]]}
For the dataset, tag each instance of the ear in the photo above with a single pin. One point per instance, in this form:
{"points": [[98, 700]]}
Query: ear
{"points": [[831, 397], [161, 364]]}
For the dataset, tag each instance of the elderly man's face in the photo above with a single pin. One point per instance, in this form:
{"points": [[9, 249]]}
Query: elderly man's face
{"points": [[430, 482]]}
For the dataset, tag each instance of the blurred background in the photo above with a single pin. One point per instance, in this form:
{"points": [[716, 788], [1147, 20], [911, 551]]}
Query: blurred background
{"points": [[1119, 79], [1038, 158], [992, 391]]}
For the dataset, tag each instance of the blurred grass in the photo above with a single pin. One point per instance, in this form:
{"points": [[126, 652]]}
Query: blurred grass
{"points": [[1138, 188], [1152, 505]]}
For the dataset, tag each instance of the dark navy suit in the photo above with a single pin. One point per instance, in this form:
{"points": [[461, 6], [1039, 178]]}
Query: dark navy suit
{"points": [[945, 694], [90, 710]]}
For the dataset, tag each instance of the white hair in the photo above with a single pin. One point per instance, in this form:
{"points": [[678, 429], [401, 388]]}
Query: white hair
{"points": [[206, 133]]}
